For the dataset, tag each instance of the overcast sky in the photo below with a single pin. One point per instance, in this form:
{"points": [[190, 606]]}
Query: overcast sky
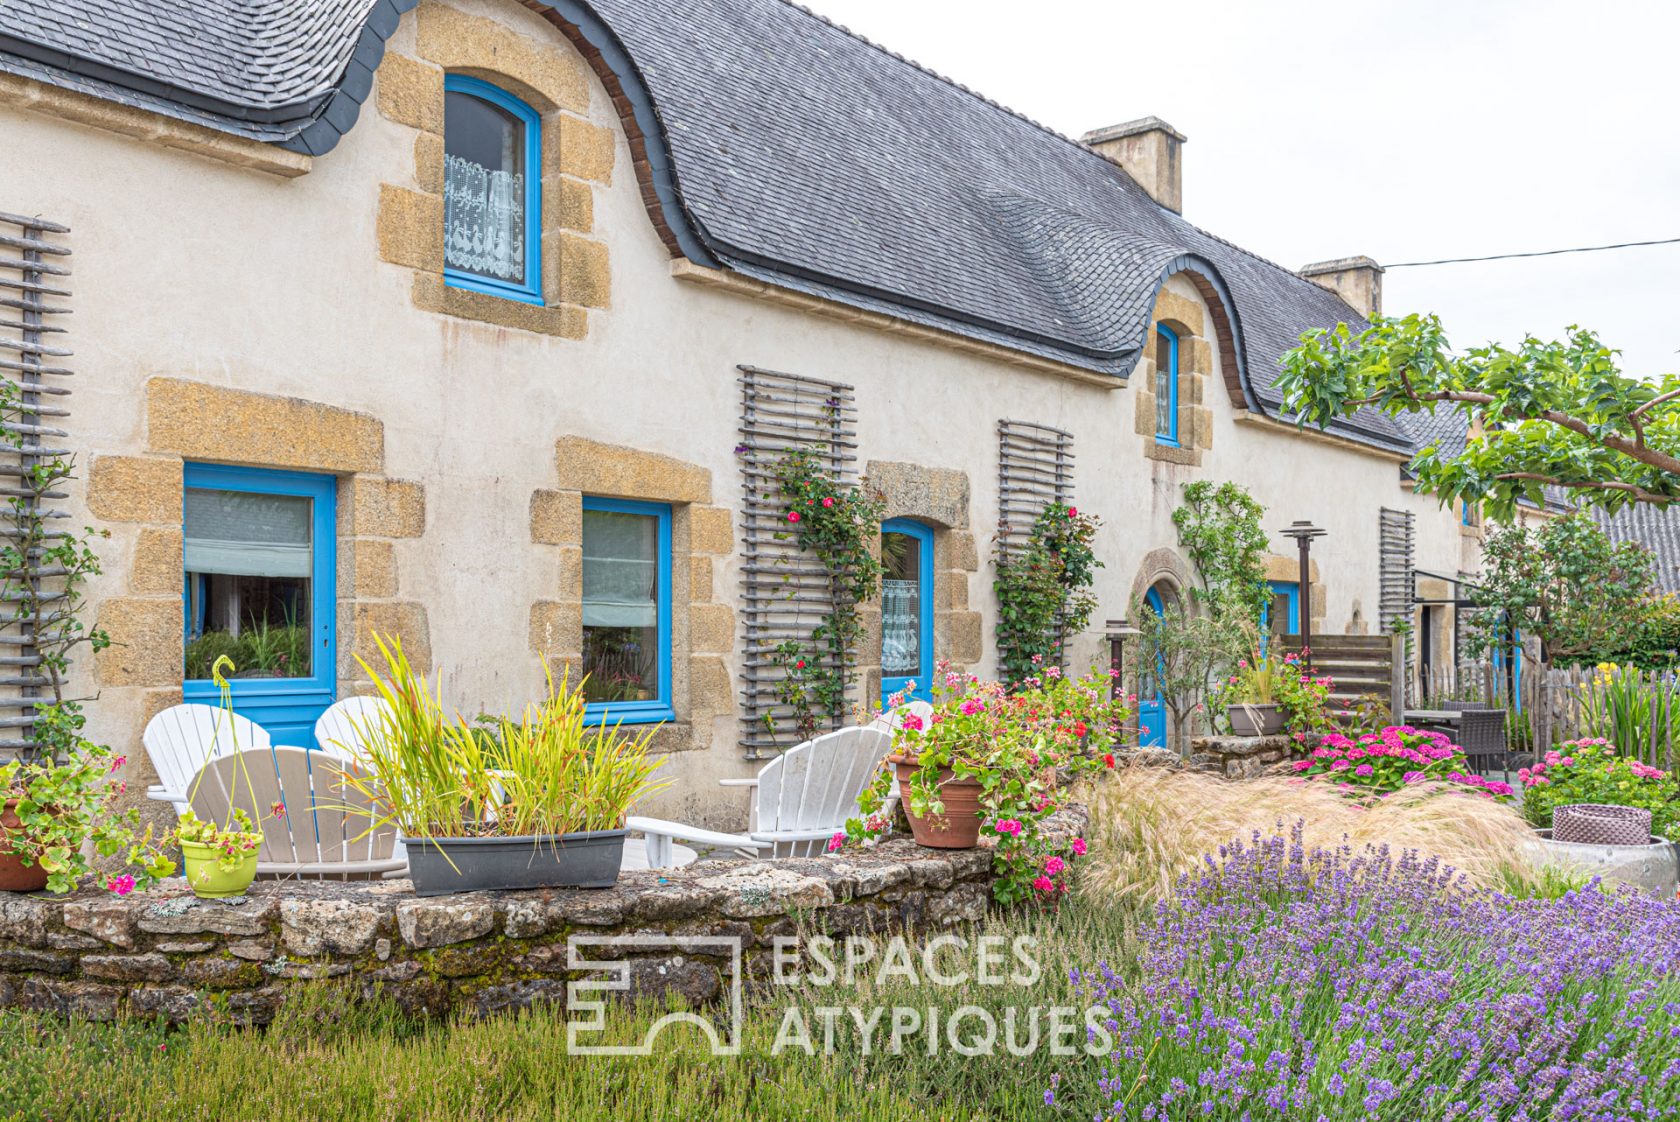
{"points": [[1402, 131]]}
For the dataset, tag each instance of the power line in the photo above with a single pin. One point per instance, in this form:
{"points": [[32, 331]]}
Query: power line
{"points": [[1540, 253]]}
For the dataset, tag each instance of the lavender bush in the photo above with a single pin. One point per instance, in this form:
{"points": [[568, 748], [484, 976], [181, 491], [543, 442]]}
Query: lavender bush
{"points": [[1332, 985]]}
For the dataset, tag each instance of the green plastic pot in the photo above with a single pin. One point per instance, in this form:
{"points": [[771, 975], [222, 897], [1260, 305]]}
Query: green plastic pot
{"points": [[208, 879]]}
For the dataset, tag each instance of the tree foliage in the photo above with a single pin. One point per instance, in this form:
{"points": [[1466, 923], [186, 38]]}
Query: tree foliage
{"points": [[1557, 413], [1183, 652], [1566, 584], [1219, 528]]}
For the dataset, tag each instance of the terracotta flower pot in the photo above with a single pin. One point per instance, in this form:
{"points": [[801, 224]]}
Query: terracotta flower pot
{"points": [[959, 826], [15, 876]]}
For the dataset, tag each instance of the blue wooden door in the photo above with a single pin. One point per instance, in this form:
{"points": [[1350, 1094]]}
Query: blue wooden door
{"points": [[1152, 713], [907, 609]]}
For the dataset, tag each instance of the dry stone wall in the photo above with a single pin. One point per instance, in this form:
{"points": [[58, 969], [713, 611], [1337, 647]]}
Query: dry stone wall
{"points": [[167, 954]]}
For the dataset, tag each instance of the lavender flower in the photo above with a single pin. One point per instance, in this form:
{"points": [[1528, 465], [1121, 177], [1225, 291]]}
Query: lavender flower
{"points": [[1282, 983]]}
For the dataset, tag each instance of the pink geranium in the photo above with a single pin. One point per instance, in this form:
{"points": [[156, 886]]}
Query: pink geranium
{"points": [[1079, 847], [1054, 865]]}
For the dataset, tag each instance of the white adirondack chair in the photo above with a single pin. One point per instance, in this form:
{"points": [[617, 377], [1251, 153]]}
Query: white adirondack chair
{"points": [[184, 738], [327, 829], [801, 798], [347, 722]]}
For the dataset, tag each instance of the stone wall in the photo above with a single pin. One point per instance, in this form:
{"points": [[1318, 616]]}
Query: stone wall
{"points": [[1242, 757], [165, 953]]}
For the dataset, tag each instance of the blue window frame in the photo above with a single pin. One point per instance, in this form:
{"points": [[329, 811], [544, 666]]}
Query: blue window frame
{"points": [[492, 191], [907, 610], [1166, 386], [1284, 608], [626, 611], [1467, 514], [260, 566]]}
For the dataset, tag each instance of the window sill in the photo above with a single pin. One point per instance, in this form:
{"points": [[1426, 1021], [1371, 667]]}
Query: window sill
{"points": [[630, 713], [467, 282]]}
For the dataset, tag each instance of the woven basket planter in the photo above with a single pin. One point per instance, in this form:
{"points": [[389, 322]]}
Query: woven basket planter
{"points": [[1591, 824]]}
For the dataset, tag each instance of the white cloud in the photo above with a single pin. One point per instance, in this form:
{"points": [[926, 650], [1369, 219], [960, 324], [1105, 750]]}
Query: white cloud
{"points": [[1403, 131]]}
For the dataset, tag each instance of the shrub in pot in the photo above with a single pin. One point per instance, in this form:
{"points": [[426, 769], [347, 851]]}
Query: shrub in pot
{"points": [[61, 809], [537, 801]]}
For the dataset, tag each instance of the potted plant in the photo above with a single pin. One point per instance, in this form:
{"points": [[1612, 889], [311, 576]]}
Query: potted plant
{"points": [[533, 802], [1250, 699], [985, 755], [220, 858], [60, 810]]}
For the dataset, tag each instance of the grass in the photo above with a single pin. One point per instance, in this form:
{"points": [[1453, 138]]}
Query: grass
{"points": [[1155, 824], [325, 1059]]}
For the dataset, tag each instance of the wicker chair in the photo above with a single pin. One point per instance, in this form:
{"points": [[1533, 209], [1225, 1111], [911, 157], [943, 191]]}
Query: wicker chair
{"points": [[1481, 733]]}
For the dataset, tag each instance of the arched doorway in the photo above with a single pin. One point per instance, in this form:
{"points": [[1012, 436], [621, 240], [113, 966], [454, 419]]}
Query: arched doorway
{"points": [[907, 608], [1152, 710]]}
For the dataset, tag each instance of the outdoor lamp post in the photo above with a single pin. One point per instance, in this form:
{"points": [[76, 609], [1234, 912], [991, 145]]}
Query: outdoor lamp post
{"points": [[1304, 532], [1119, 630]]}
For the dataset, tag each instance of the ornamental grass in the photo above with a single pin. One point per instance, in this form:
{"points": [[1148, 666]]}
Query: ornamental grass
{"points": [[1283, 981], [1150, 825]]}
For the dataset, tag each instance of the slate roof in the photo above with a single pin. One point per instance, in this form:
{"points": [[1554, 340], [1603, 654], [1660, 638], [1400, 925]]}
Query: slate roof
{"points": [[1657, 528], [799, 153], [287, 72]]}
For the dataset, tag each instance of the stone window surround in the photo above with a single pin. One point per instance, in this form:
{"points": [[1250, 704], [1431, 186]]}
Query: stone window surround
{"points": [[1188, 320], [702, 629], [141, 496], [939, 499], [577, 159]]}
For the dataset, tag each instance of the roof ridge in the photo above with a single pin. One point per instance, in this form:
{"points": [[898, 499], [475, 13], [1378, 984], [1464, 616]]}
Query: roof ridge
{"points": [[952, 82]]}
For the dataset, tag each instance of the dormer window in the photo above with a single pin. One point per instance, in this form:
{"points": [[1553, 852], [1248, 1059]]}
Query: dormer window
{"points": [[1166, 386], [492, 205]]}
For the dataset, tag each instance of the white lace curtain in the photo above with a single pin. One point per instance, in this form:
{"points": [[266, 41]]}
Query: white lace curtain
{"points": [[483, 219]]}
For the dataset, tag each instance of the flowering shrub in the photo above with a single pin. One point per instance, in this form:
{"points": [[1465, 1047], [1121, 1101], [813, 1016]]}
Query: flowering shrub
{"points": [[65, 803], [842, 526], [1044, 590], [1383, 762], [1592, 771], [1287, 983], [1018, 749]]}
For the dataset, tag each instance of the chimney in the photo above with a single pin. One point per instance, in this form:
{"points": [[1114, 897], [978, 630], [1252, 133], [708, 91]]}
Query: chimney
{"points": [[1151, 152], [1358, 280]]}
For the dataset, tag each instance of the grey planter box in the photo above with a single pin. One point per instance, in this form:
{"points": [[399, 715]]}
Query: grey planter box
{"points": [[1255, 720], [1653, 868], [587, 860]]}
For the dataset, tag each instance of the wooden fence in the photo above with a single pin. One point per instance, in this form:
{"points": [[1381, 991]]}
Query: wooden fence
{"points": [[1551, 705]]}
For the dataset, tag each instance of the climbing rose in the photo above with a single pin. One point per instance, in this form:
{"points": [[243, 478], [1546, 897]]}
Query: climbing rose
{"points": [[793, 516], [1079, 847], [799, 665], [828, 501], [1073, 512]]}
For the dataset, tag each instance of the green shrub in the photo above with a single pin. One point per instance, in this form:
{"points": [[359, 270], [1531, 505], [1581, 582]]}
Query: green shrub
{"points": [[1592, 771]]}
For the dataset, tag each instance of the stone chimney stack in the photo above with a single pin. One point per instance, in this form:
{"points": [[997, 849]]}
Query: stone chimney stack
{"points": [[1151, 152], [1358, 280]]}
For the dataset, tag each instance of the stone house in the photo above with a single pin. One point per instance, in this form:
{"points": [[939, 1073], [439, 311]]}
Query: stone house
{"points": [[467, 322]]}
